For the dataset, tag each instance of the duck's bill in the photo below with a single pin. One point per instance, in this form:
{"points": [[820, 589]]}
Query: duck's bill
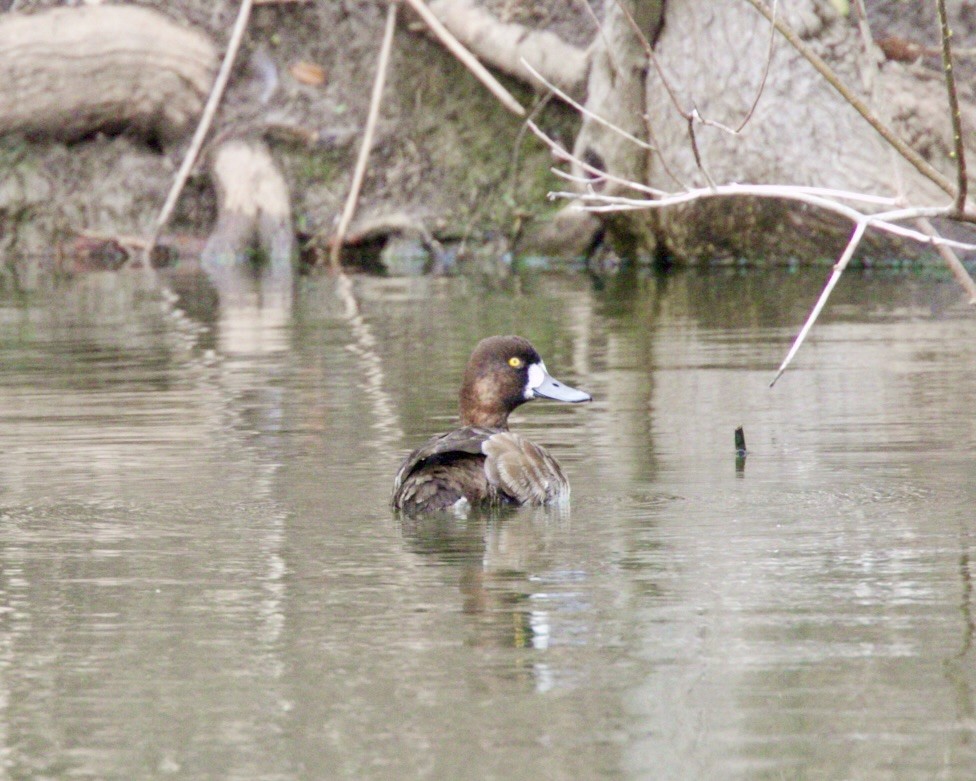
{"points": [[542, 386]]}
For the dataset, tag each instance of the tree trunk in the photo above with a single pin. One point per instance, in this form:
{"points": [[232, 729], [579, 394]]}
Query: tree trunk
{"points": [[802, 131]]}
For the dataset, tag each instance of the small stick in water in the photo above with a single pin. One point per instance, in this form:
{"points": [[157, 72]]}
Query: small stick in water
{"points": [[740, 452], [740, 442]]}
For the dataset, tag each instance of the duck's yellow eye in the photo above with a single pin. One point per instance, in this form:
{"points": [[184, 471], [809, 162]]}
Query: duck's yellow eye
{"points": [[514, 362]]}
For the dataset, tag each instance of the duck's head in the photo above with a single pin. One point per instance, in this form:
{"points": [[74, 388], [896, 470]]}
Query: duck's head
{"points": [[502, 373]]}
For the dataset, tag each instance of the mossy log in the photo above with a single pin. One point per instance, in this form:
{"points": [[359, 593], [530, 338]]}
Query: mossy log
{"points": [[69, 72]]}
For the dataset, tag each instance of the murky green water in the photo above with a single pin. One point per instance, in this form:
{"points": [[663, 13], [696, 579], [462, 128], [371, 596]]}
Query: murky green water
{"points": [[200, 577]]}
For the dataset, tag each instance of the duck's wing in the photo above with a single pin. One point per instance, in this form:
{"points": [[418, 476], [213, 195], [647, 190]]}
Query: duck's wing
{"points": [[522, 470], [443, 470]]}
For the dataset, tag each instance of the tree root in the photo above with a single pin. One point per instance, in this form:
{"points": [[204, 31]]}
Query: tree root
{"points": [[504, 45], [69, 72], [254, 210]]}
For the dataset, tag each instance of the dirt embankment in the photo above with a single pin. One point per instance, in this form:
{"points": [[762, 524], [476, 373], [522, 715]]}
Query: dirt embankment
{"points": [[448, 162]]}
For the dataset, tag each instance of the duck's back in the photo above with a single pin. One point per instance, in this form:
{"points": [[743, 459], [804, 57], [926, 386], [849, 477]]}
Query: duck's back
{"points": [[523, 470], [444, 470], [477, 465]]}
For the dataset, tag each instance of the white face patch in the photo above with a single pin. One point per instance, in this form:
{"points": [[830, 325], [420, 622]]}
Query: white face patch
{"points": [[537, 374]]}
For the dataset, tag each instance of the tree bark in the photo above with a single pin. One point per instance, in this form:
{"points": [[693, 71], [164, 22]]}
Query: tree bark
{"points": [[802, 132]]}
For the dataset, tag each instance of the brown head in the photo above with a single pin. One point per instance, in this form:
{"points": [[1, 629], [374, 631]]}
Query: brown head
{"points": [[502, 373]]}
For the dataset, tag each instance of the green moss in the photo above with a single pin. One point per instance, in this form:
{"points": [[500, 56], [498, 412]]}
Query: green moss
{"points": [[445, 152], [489, 168], [314, 166]]}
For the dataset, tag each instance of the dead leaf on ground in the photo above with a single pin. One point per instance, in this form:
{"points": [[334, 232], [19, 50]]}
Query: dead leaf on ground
{"points": [[308, 73]]}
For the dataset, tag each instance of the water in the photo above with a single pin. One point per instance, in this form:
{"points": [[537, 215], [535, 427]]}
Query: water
{"points": [[200, 576]]}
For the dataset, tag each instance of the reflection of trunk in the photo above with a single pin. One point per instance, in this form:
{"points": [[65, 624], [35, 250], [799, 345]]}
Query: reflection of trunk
{"points": [[802, 132]]}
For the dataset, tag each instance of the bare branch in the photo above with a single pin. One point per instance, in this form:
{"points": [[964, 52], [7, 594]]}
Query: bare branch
{"points": [[885, 221], [563, 154], [759, 91], [471, 62], [827, 198], [765, 75], [601, 33], [958, 148], [216, 93], [873, 222], [688, 116], [951, 260], [694, 149], [367, 143], [609, 125], [839, 267], [862, 25], [585, 111], [693, 114], [879, 213]]}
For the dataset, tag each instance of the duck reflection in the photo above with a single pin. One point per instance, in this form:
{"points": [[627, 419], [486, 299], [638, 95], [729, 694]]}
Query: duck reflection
{"points": [[501, 555]]}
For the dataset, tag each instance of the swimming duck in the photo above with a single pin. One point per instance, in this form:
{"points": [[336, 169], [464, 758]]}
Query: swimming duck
{"points": [[482, 462]]}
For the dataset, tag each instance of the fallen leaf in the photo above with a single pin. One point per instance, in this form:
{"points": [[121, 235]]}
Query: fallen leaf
{"points": [[308, 73]]}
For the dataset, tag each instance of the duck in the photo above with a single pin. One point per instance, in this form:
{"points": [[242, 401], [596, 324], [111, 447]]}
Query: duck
{"points": [[481, 462]]}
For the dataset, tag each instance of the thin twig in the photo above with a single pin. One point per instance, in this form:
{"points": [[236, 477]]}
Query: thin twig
{"points": [[583, 110], [688, 116], [374, 109], [950, 79], [216, 93], [652, 147], [864, 27], [607, 48], [765, 75], [466, 58], [913, 157], [563, 154], [694, 148], [662, 160], [839, 267], [693, 115]]}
